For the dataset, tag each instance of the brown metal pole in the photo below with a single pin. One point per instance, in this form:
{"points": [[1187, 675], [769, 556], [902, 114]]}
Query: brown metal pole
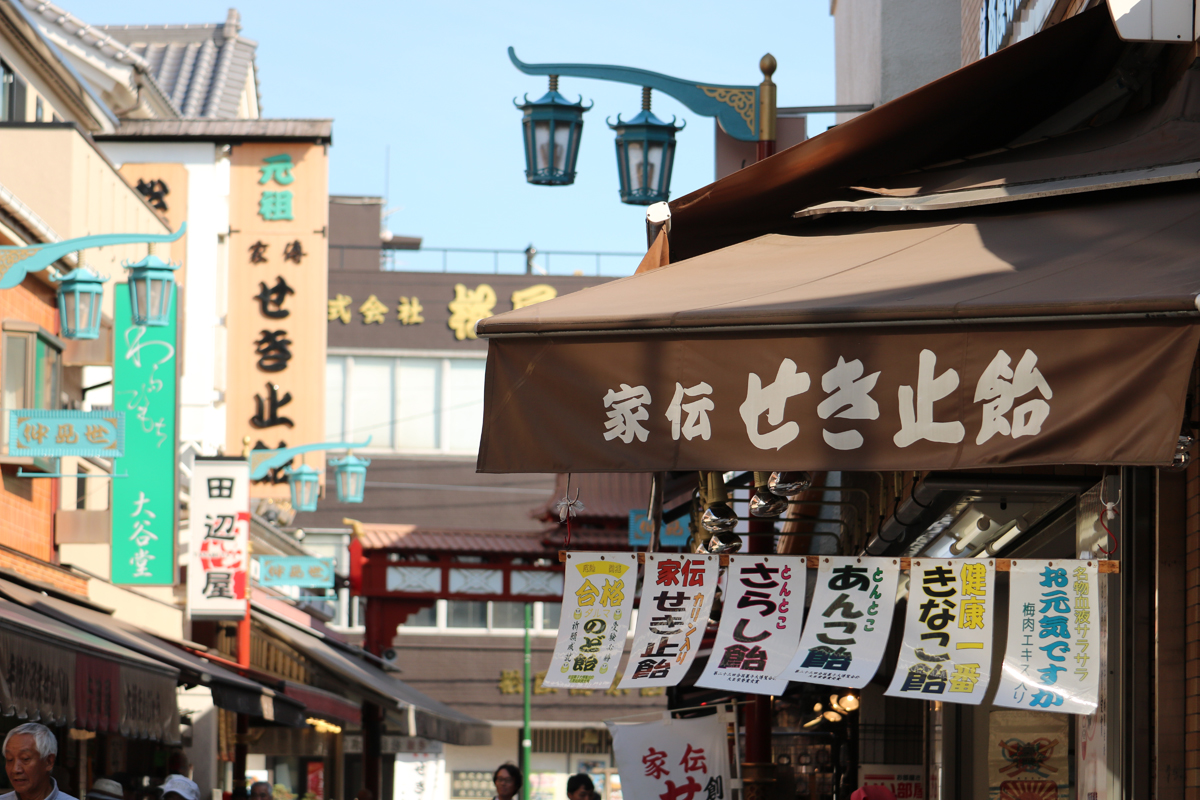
{"points": [[372, 745], [757, 770], [766, 108]]}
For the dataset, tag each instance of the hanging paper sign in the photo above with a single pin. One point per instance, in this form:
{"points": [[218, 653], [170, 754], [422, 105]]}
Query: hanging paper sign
{"points": [[947, 649], [1028, 756], [220, 531], [848, 622], [760, 624], [675, 759], [1046, 664], [597, 602], [677, 593]]}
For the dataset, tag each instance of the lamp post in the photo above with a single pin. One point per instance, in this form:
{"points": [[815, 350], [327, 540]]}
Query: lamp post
{"points": [[552, 127], [151, 286], [351, 473], [746, 113], [79, 293], [304, 481]]}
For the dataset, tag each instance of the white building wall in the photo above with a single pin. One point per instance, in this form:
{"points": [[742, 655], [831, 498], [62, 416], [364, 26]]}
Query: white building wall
{"points": [[857, 52]]}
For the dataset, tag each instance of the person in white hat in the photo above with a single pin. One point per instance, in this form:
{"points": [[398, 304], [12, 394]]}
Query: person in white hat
{"points": [[106, 789], [177, 787]]}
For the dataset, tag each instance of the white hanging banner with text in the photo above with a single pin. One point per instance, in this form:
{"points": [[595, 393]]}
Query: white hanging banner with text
{"points": [[597, 601], [676, 759], [848, 622], [760, 624], [1050, 663], [946, 653], [218, 567], [677, 594]]}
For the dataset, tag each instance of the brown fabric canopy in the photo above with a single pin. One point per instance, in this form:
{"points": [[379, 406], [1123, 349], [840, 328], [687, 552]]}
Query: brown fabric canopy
{"points": [[1058, 335]]}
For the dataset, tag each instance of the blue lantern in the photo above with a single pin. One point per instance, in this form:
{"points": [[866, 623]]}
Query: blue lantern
{"points": [[351, 474], [151, 284], [305, 484], [79, 294], [552, 127], [645, 155]]}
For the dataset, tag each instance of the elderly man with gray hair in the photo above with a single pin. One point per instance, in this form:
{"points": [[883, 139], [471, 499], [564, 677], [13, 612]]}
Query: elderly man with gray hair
{"points": [[29, 754]]}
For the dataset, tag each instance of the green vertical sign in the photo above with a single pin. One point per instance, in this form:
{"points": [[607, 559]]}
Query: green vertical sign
{"points": [[143, 504]]}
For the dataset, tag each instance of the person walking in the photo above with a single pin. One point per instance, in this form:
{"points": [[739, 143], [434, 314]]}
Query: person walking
{"points": [[580, 787], [29, 754], [508, 782], [177, 787]]}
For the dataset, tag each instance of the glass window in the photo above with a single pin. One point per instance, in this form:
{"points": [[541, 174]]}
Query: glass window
{"points": [[464, 404], [371, 401], [335, 397], [551, 612], [39, 111], [6, 92], [508, 615], [417, 417], [466, 613], [29, 376], [425, 618]]}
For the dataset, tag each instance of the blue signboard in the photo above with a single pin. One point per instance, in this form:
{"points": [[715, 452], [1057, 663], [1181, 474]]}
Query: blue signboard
{"points": [[304, 571], [36, 432], [672, 534]]}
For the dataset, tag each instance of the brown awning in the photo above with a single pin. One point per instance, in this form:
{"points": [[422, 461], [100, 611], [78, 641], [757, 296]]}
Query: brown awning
{"points": [[1058, 335]]}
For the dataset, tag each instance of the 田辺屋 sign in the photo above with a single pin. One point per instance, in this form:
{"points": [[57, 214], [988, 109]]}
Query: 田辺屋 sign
{"points": [[37, 432], [306, 572], [220, 533], [892, 400], [597, 603]]}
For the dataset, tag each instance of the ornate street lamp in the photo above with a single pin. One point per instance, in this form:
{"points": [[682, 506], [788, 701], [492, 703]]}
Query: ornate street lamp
{"points": [[305, 484], [552, 127], [645, 155], [79, 293], [151, 284], [351, 473]]}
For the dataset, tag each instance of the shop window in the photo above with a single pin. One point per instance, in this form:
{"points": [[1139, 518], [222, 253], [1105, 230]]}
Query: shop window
{"points": [[508, 615], [412, 404], [30, 372], [551, 613], [424, 618], [466, 614], [12, 95]]}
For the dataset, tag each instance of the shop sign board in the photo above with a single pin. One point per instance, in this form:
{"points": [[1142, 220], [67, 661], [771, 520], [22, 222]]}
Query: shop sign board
{"points": [[760, 624], [307, 572], [1028, 755], [220, 532], [1051, 662], [677, 594], [66, 432], [144, 506], [848, 623], [902, 780], [673, 758], [597, 603], [946, 653]]}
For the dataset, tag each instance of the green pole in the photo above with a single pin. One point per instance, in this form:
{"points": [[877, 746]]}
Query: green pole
{"points": [[526, 733]]}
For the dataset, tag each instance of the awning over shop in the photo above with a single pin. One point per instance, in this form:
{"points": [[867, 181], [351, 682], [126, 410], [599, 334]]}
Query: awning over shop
{"points": [[58, 674], [427, 717], [1043, 334], [230, 691]]}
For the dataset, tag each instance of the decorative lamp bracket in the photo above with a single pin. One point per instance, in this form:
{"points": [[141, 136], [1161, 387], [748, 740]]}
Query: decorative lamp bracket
{"points": [[17, 261], [262, 461], [736, 108]]}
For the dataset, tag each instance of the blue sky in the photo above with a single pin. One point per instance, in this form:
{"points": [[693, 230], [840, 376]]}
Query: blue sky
{"points": [[433, 82]]}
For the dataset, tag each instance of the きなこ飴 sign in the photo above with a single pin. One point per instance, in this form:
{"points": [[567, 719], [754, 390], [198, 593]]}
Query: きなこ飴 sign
{"points": [[849, 622], [946, 653], [1046, 663], [677, 594], [220, 532], [760, 624], [597, 602]]}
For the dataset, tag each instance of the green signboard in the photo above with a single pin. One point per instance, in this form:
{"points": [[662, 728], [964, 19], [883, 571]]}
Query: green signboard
{"points": [[143, 505]]}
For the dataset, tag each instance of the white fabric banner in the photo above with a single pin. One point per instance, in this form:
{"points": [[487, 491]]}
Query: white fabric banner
{"points": [[1050, 664], [218, 562], [760, 624], [675, 759], [677, 593], [848, 622], [597, 601], [946, 653]]}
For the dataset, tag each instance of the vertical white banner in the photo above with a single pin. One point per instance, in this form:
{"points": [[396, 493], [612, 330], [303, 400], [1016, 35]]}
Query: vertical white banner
{"points": [[848, 622], [218, 563], [673, 758], [760, 624], [677, 594], [946, 653], [597, 600], [1052, 659]]}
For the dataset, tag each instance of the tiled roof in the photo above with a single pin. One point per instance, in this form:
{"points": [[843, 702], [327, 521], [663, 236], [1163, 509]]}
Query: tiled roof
{"points": [[203, 69], [236, 130], [411, 537], [612, 495]]}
